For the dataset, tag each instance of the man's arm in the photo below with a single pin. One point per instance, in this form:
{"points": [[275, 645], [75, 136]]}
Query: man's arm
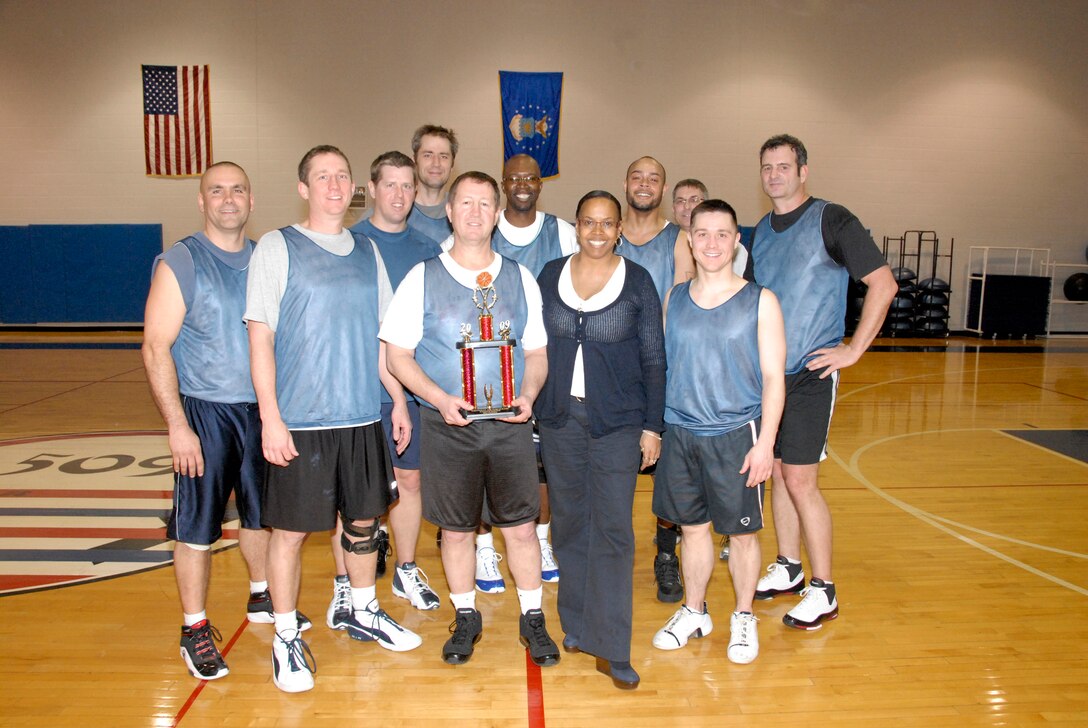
{"points": [[683, 263], [759, 461], [402, 364], [532, 381], [402, 422], [163, 317], [881, 291], [276, 441]]}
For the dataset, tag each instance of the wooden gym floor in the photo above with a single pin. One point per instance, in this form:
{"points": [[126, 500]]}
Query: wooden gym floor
{"points": [[961, 560]]}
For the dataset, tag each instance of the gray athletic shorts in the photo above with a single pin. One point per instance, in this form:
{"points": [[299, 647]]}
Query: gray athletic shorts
{"points": [[698, 480], [461, 466]]}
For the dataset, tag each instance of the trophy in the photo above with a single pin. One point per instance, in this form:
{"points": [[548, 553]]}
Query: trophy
{"points": [[485, 296]]}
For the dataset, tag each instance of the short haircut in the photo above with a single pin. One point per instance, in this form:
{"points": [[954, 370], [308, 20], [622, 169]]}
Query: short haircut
{"points": [[438, 131], [389, 159], [224, 163], [691, 183], [304, 165], [598, 195], [785, 140], [475, 177], [659, 164], [714, 206]]}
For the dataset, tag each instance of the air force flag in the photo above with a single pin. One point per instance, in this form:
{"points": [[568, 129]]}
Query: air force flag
{"points": [[530, 117]]}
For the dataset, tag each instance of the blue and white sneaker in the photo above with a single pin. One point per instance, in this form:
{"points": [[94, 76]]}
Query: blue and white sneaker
{"points": [[549, 569], [488, 577]]}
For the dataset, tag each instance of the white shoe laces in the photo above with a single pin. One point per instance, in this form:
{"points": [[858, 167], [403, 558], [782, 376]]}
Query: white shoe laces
{"points": [[341, 597], [490, 563], [414, 579], [546, 556]]}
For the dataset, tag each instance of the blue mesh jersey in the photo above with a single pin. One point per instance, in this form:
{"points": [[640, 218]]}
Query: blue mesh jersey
{"points": [[714, 383], [327, 338], [658, 256], [211, 352], [809, 284]]}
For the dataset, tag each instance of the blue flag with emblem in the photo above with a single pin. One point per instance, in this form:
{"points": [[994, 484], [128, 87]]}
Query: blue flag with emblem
{"points": [[530, 117]]}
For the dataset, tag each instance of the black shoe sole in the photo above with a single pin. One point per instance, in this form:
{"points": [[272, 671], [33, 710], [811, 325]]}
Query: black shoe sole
{"points": [[542, 660], [572, 649], [457, 658], [605, 668]]}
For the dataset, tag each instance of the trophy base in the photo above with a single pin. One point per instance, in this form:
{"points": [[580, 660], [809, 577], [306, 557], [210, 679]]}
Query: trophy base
{"points": [[491, 414]]}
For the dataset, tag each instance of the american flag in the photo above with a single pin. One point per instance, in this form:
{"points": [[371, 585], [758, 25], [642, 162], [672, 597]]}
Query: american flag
{"points": [[177, 121]]}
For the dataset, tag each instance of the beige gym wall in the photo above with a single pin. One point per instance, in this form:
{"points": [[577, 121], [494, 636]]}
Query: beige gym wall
{"points": [[969, 118]]}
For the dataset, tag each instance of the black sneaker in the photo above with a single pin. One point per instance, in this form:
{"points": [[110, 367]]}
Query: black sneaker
{"points": [[383, 551], [467, 627], [667, 575], [200, 653], [534, 635], [259, 611]]}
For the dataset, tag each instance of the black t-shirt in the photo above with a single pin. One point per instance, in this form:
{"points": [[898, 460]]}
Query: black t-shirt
{"points": [[845, 238]]}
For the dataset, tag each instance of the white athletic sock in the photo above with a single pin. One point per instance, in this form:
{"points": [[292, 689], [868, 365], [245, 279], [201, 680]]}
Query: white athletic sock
{"points": [[256, 587], [530, 598], [362, 596], [191, 619], [464, 601], [795, 562], [485, 540], [285, 622], [542, 530]]}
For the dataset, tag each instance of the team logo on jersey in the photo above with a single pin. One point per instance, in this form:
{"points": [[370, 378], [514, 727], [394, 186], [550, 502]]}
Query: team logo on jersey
{"points": [[79, 508]]}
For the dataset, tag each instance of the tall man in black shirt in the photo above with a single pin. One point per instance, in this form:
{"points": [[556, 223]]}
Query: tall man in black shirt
{"points": [[804, 250]]}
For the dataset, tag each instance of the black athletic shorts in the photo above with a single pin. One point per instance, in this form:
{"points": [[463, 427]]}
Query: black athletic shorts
{"points": [[698, 480], [806, 418], [461, 466], [344, 470]]}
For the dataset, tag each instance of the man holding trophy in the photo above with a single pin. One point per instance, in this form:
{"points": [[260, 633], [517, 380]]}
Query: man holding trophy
{"points": [[465, 333]]}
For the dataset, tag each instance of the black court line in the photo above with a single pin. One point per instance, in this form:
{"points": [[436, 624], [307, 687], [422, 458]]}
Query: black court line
{"points": [[1071, 443]]}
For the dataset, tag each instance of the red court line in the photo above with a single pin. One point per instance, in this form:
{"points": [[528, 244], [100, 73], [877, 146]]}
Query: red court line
{"points": [[200, 687], [534, 689]]}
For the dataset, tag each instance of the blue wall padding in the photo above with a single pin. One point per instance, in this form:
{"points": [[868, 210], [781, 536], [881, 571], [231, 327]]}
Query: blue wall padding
{"points": [[76, 273]]}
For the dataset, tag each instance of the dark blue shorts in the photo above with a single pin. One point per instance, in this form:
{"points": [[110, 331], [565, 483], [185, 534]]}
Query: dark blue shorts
{"points": [[230, 440], [409, 459]]}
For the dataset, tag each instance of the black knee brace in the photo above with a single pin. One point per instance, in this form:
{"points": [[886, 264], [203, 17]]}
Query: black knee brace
{"points": [[367, 535]]}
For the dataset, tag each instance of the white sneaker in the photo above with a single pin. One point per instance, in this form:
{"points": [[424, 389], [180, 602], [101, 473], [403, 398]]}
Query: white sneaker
{"points": [[339, 612], [549, 570], [488, 577], [817, 606], [409, 582], [743, 638], [380, 627], [782, 578], [682, 626], [293, 665]]}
